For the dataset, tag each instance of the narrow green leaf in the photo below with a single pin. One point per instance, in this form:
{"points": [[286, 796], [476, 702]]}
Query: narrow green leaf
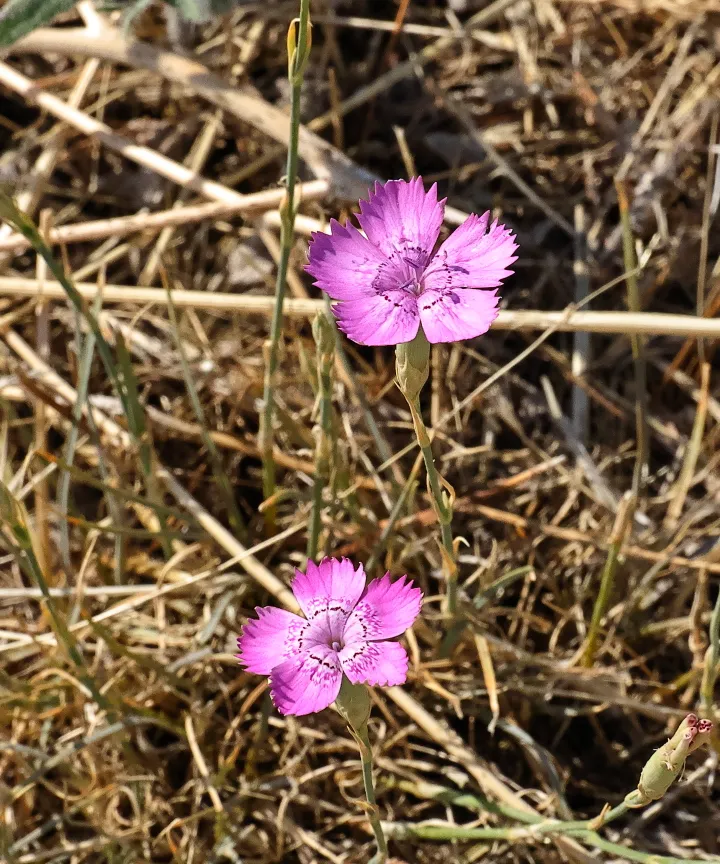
{"points": [[13, 514], [118, 368], [19, 17], [10, 212]]}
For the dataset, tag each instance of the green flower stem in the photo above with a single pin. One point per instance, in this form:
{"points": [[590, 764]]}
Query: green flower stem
{"points": [[534, 826], [623, 520], [442, 504], [479, 804], [444, 833], [712, 662], [354, 705], [325, 341], [298, 54], [363, 739], [637, 342]]}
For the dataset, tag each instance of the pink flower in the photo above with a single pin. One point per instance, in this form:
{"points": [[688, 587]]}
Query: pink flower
{"points": [[345, 631], [390, 282]]}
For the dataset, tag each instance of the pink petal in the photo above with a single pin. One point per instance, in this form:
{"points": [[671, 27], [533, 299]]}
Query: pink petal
{"points": [[386, 609], [473, 256], [377, 663], [269, 640], [344, 263], [332, 583], [400, 215], [457, 313], [385, 319], [305, 684]]}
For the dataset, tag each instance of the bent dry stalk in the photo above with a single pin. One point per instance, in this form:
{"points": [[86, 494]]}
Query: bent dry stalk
{"points": [[299, 44]]}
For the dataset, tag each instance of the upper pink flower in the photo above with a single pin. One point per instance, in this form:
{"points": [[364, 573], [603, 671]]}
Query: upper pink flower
{"points": [[389, 282], [345, 630]]}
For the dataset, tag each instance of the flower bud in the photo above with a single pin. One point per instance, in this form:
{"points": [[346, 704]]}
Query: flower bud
{"points": [[323, 334], [291, 44], [412, 365], [667, 763], [298, 61], [353, 704]]}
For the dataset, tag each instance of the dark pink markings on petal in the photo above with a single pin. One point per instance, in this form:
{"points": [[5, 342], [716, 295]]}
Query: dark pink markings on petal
{"points": [[473, 256], [379, 664], [270, 639], [385, 610], [304, 685], [343, 263], [450, 315], [389, 318], [332, 582], [400, 215]]}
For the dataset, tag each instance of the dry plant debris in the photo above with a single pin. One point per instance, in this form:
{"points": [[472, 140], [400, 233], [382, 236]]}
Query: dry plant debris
{"points": [[145, 741]]}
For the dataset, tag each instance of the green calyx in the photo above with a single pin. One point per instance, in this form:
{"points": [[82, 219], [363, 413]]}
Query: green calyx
{"points": [[353, 704], [412, 365]]}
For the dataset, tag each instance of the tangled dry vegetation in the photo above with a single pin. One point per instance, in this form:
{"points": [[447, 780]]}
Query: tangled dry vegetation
{"points": [[157, 748]]}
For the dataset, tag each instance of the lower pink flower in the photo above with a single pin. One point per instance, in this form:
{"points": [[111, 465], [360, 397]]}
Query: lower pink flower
{"points": [[345, 631]]}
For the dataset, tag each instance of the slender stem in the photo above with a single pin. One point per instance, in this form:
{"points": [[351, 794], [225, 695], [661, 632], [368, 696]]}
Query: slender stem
{"points": [[325, 340], [315, 512], [636, 341], [601, 603], [297, 60], [86, 352], [441, 505], [712, 662], [626, 509], [444, 833], [381, 855], [533, 825], [480, 804]]}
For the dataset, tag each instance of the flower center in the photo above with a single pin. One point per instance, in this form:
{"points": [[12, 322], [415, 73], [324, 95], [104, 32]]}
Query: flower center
{"points": [[412, 286], [336, 646], [414, 260]]}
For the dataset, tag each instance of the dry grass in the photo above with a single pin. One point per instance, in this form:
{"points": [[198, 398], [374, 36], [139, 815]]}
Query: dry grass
{"points": [[145, 742]]}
